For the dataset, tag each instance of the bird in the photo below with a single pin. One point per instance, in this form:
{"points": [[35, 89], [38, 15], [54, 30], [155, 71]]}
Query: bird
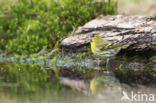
{"points": [[104, 49]]}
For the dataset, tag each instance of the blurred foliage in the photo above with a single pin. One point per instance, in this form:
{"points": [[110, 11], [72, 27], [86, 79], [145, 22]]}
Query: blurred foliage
{"points": [[30, 25], [132, 7], [24, 81]]}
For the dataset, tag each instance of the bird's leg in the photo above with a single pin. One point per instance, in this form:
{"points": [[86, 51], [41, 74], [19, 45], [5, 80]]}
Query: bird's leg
{"points": [[97, 66], [107, 64], [98, 62]]}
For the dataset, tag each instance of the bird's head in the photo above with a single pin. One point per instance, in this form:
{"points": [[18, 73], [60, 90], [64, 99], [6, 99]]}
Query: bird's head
{"points": [[95, 38]]}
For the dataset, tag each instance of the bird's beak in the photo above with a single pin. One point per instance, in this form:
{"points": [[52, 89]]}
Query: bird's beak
{"points": [[92, 35], [90, 38]]}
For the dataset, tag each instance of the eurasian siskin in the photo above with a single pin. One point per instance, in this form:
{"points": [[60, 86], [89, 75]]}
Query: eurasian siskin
{"points": [[105, 49]]}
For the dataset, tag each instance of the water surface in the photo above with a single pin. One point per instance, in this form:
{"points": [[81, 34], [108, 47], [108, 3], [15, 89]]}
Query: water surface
{"points": [[33, 83]]}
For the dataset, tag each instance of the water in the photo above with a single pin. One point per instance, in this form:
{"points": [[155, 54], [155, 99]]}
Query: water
{"points": [[70, 82]]}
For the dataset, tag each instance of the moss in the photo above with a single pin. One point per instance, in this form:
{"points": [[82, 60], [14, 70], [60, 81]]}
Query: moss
{"points": [[30, 25]]}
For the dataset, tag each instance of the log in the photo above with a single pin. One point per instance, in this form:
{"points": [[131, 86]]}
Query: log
{"points": [[138, 31]]}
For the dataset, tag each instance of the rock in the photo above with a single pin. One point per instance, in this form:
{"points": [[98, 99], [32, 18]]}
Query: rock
{"points": [[134, 71], [153, 59], [79, 85], [138, 31]]}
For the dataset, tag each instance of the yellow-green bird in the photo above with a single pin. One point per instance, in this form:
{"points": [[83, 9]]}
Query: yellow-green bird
{"points": [[102, 83], [104, 49]]}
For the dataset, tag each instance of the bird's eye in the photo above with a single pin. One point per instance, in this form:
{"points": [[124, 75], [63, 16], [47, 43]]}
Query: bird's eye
{"points": [[93, 35]]}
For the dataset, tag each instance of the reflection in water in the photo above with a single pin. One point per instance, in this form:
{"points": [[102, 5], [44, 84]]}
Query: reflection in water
{"points": [[26, 82], [31, 83]]}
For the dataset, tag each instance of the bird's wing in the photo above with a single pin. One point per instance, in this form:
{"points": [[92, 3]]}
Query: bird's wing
{"points": [[114, 46]]}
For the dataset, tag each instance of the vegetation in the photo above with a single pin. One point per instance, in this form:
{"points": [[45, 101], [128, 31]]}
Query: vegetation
{"points": [[24, 81], [30, 82], [27, 26]]}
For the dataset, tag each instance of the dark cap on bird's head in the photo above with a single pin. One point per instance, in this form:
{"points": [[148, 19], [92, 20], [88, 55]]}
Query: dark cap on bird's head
{"points": [[93, 35]]}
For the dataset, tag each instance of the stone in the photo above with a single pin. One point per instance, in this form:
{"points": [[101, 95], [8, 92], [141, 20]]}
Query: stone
{"points": [[137, 31]]}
